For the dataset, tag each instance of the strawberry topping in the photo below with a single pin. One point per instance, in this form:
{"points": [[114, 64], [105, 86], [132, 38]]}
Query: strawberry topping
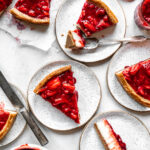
{"points": [[3, 118], [4, 4], [93, 19], [146, 10], [60, 92], [34, 8], [138, 76]]}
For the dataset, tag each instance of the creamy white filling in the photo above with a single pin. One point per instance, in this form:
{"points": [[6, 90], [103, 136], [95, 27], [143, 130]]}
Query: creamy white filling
{"points": [[108, 136], [77, 39]]}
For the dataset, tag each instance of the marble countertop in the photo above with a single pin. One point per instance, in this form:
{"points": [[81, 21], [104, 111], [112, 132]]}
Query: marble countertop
{"points": [[19, 63]]}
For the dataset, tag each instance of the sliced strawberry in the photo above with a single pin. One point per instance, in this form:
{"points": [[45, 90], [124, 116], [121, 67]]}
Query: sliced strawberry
{"points": [[50, 93], [147, 87], [73, 116], [89, 26], [100, 12], [43, 89], [69, 87], [135, 69], [141, 90], [54, 83], [59, 101]]}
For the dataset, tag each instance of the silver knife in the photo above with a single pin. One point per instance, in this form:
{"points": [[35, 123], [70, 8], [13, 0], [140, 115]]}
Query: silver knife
{"points": [[12, 96]]}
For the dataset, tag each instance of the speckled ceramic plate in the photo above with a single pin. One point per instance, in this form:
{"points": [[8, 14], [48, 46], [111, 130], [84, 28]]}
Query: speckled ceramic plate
{"points": [[66, 19], [19, 123], [88, 88], [32, 146], [128, 55], [132, 131]]}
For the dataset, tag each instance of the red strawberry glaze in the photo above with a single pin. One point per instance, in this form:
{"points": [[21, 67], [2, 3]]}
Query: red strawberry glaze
{"points": [[3, 118], [121, 143], [93, 19], [60, 92], [34, 8], [26, 147], [82, 41], [4, 4], [146, 10], [138, 76]]}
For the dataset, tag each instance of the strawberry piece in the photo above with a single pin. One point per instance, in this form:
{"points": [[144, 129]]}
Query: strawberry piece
{"points": [[73, 116], [147, 87], [89, 26], [134, 69], [100, 11], [59, 101], [54, 83], [50, 93], [141, 90], [69, 87]]}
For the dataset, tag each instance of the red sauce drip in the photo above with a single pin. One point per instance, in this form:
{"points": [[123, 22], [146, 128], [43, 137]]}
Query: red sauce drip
{"points": [[138, 76], [146, 10], [121, 143], [26, 147], [82, 41], [60, 92], [93, 19], [4, 4], [34, 8], [3, 118]]}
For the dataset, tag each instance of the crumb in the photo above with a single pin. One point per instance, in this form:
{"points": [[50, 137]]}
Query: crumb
{"points": [[62, 34]]}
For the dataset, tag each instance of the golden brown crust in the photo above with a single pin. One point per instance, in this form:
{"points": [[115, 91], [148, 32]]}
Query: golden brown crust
{"points": [[8, 124], [101, 4], [49, 76], [70, 41], [25, 17], [130, 90], [1, 12], [101, 137]]}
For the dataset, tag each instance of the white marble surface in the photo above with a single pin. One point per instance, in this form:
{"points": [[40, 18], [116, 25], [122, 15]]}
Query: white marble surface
{"points": [[20, 63]]}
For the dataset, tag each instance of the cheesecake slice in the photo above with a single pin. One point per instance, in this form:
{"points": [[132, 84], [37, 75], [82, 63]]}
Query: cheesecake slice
{"points": [[75, 39], [109, 138]]}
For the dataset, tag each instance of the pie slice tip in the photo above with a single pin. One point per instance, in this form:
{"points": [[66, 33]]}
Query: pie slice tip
{"points": [[18, 14], [8, 124], [130, 90]]}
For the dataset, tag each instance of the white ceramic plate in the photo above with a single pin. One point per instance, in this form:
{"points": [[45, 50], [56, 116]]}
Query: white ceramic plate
{"points": [[128, 55], [88, 88], [19, 123], [132, 131], [32, 146], [66, 19]]}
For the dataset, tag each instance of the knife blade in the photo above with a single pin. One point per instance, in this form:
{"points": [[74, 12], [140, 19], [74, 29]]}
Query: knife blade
{"points": [[12, 96]]}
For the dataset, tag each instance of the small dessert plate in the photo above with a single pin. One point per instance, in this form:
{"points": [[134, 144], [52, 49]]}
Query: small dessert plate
{"points": [[89, 92], [132, 131], [33, 146], [66, 19], [19, 124], [126, 56]]}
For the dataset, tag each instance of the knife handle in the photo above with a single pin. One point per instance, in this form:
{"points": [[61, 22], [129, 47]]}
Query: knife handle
{"points": [[34, 127]]}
